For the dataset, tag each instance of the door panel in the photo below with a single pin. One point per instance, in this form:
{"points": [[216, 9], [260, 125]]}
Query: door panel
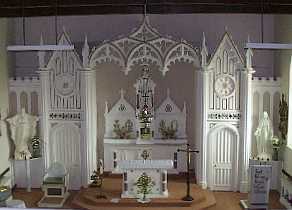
{"points": [[65, 148], [223, 152]]}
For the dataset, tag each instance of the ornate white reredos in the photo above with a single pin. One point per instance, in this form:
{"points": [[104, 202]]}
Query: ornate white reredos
{"points": [[144, 45], [65, 81], [225, 68], [167, 111], [170, 113], [121, 111]]}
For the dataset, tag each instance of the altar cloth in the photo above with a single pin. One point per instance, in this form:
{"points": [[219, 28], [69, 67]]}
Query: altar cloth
{"points": [[145, 164]]}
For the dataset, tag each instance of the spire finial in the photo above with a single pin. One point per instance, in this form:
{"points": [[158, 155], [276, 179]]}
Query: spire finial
{"points": [[248, 56], [41, 54], [185, 108], [168, 93], [204, 51], [85, 53], [106, 108], [122, 91]]}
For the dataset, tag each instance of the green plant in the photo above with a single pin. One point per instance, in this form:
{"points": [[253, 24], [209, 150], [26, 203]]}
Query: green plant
{"points": [[123, 132], [144, 185], [168, 132]]}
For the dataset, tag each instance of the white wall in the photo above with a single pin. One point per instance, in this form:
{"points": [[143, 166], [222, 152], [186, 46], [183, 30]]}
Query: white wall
{"points": [[4, 143], [186, 26]]}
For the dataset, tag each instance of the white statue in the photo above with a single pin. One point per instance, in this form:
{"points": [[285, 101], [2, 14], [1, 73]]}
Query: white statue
{"points": [[264, 135], [23, 128]]}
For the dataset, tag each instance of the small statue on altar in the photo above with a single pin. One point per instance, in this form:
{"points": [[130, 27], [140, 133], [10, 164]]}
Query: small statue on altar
{"points": [[264, 135], [23, 128]]}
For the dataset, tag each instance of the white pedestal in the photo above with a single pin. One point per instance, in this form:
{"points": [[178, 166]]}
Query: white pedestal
{"points": [[276, 172], [36, 173]]}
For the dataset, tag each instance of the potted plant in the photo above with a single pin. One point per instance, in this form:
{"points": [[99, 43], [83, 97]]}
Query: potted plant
{"points": [[144, 185]]}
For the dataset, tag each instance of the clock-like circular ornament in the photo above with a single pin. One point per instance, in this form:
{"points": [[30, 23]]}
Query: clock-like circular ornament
{"points": [[224, 86], [65, 84]]}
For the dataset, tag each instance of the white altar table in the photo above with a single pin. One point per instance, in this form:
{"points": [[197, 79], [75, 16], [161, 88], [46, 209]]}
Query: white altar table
{"points": [[156, 169]]}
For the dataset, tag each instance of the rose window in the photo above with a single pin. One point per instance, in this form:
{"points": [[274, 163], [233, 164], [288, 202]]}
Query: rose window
{"points": [[224, 86]]}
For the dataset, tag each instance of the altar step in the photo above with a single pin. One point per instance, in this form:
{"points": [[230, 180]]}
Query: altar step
{"points": [[86, 198]]}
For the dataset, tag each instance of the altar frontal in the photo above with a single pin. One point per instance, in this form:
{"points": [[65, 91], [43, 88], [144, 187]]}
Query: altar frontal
{"points": [[155, 171]]}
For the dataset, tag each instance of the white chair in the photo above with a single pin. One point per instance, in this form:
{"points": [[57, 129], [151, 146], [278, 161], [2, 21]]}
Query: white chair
{"points": [[55, 184]]}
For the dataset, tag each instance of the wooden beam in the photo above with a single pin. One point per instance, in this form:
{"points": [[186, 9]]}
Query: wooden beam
{"points": [[268, 46], [13, 8]]}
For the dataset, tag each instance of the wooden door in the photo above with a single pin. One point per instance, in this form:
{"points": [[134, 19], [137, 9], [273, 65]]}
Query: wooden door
{"points": [[65, 148], [224, 160]]}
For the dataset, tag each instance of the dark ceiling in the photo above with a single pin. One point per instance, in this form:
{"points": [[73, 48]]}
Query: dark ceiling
{"points": [[18, 8]]}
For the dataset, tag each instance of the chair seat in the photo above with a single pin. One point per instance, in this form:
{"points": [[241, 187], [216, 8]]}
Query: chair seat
{"points": [[54, 180]]}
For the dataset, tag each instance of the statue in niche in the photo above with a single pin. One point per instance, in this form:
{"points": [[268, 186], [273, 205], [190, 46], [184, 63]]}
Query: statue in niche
{"points": [[283, 112], [264, 135], [23, 128]]}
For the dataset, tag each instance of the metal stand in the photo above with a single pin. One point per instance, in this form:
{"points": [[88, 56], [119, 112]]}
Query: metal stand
{"points": [[188, 151]]}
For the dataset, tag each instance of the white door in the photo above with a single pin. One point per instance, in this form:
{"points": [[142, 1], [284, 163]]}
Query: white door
{"points": [[65, 148], [224, 160]]}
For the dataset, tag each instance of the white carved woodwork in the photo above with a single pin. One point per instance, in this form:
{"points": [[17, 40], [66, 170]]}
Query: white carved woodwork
{"points": [[144, 45], [220, 78], [30, 87], [68, 126], [227, 95], [123, 112], [171, 114]]}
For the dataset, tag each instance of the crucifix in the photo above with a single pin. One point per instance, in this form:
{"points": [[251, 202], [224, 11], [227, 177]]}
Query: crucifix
{"points": [[188, 151]]}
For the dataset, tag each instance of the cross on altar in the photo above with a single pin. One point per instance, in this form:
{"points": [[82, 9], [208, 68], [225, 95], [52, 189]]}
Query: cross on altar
{"points": [[188, 151]]}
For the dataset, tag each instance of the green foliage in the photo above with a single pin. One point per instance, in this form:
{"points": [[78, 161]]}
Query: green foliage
{"points": [[125, 131], [168, 132], [144, 184]]}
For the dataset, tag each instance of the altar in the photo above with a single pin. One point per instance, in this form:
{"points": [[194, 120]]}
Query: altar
{"points": [[131, 131], [156, 170]]}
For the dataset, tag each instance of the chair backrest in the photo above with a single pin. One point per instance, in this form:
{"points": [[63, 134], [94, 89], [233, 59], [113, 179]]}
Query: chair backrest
{"points": [[56, 169]]}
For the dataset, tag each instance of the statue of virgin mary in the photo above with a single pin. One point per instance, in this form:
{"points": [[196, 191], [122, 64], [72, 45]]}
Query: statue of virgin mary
{"points": [[264, 134]]}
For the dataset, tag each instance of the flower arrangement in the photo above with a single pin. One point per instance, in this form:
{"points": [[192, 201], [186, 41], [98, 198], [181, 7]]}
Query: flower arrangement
{"points": [[144, 185], [276, 142], [123, 132], [168, 132]]}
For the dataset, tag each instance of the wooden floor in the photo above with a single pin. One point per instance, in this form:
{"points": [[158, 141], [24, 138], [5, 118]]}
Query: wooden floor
{"points": [[230, 201], [224, 200]]}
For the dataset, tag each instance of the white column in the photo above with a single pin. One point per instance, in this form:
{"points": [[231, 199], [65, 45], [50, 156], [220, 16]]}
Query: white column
{"points": [[28, 175], [28, 93], [44, 113], [89, 124], [246, 127], [203, 89], [272, 93], [18, 102]]}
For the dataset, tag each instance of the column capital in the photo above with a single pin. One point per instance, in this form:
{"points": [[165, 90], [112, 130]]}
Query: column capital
{"points": [[87, 71], [249, 70]]}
